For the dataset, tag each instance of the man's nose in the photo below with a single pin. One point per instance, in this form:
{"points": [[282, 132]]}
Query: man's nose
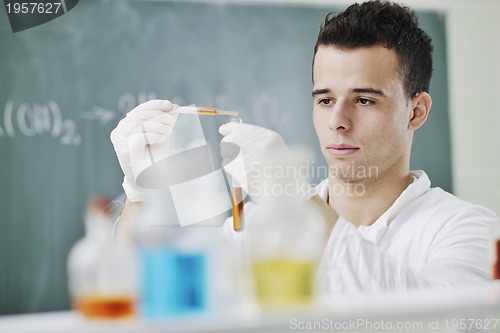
{"points": [[340, 118]]}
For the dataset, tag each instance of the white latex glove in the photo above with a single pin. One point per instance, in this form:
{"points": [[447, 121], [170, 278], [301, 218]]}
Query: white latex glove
{"points": [[243, 150], [146, 127]]}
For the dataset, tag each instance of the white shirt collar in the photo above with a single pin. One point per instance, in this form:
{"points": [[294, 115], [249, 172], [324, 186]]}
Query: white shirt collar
{"points": [[374, 232]]}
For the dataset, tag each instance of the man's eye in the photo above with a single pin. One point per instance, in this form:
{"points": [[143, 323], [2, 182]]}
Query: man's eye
{"points": [[365, 101], [325, 101]]}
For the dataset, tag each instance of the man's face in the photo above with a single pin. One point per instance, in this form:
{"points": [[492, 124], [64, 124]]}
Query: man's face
{"points": [[360, 112]]}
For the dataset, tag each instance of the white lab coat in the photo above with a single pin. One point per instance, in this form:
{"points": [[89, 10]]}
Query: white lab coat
{"points": [[427, 238]]}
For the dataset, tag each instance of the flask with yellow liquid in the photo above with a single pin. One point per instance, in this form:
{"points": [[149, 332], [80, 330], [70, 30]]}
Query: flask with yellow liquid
{"points": [[283, 232]]}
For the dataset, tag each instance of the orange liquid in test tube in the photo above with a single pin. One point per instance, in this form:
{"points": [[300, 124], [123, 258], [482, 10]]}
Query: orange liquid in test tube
{"points": [[237, 198], [496, 264], [238, 204]]}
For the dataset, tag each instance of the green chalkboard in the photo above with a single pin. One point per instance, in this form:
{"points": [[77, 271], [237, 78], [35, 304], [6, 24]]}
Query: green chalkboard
{"points": [[65, 84]]}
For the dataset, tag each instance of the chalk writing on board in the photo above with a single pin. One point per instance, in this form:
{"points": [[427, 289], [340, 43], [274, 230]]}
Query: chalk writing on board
{"points": [[38, 119], [126, 102], [265, 109], [99, 113]]}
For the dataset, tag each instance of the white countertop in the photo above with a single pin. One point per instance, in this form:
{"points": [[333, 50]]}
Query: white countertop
{"points": [[451, 310]]}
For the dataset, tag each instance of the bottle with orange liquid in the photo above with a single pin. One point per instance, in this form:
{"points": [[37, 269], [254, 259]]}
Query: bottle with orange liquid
{"points": [[101, 270]]}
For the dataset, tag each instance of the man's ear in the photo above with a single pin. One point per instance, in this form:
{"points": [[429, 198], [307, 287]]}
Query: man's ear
{"points": [[421, 104]]}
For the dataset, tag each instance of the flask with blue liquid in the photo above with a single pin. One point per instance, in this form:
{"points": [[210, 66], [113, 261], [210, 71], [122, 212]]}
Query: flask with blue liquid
{"points": [[184, 270]]}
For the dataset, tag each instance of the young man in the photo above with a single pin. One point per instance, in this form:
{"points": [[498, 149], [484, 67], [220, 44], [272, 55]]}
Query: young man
{"points": [[371, 72], [371, 75]]}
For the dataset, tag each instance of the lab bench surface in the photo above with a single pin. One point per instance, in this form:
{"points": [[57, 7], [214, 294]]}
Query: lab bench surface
{"points": [[452, 310]]}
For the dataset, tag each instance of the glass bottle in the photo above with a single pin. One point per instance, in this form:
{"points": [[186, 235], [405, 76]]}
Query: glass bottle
{"points": [[102, 272], [186, 270], [283, 232]]}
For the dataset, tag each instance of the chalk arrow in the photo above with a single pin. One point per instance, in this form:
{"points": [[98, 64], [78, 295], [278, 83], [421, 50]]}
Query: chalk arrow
{"points": [[101, 114]]}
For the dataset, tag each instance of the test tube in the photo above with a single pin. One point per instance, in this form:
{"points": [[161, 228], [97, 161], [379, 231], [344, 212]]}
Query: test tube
{"points": [[201, 110], [237, 198], [496, 259]]}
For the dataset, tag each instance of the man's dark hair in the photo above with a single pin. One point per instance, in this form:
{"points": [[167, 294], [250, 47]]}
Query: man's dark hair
{"points": [[388, 24]]}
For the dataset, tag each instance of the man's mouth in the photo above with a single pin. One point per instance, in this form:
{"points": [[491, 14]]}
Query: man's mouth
{"points": [[341, 149]]}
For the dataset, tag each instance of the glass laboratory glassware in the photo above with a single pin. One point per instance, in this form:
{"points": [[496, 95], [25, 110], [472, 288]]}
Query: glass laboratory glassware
{"points": [[283, 232], [185, 270], [102, 271]]}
